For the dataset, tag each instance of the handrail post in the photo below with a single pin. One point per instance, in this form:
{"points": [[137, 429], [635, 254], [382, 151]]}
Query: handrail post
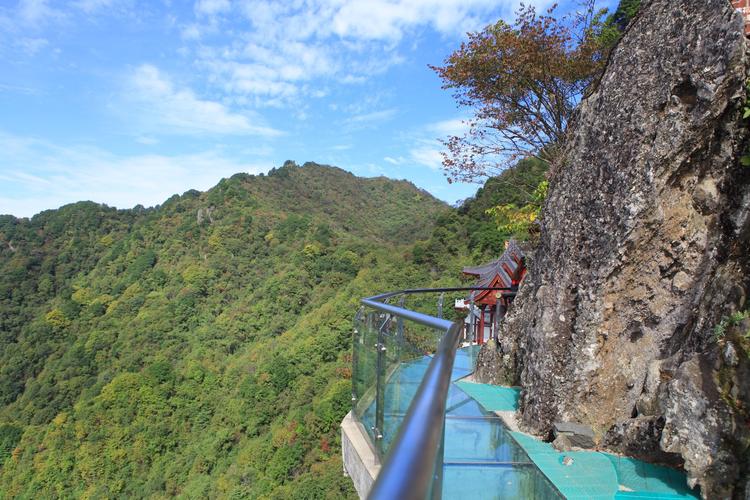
{"points": [[400, 324], [357, 338]]}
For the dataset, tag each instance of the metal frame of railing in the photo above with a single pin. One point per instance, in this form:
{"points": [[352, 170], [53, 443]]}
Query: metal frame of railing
{"points": [[412, 469]]}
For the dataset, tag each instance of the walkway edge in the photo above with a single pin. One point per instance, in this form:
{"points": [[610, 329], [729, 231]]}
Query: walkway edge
{"points": [[361, 463]]}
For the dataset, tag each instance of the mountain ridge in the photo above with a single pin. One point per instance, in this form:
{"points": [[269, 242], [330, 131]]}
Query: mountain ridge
{"points": [[200, 347]]}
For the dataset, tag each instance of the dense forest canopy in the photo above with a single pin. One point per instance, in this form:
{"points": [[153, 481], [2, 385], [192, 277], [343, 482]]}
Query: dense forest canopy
{"points": [[202, 347]]}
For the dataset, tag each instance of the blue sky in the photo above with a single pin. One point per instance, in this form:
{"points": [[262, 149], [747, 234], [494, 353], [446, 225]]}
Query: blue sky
{"points": [[127, 102]]}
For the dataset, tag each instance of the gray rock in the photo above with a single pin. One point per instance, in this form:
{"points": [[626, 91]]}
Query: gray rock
{"points": [[576, 435], [572, 428], [648, 401], [205, 214], [730, 355], [640, 437], [494, 365], [700, 427], [562, 443], [643, 250]]}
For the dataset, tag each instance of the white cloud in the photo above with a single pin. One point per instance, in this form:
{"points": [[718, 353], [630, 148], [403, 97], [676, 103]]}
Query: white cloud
{"points": [[68, 174], [31, 46], [428, 155], [375, 116], [381, 20], [276, 74], [147, 140], [20, 89], [445, 128], [191, 32], [354, 80], [389, 20], [424, 146], [212, 7], [91, 6], [37, 12], [291, 48], [160, 106]]}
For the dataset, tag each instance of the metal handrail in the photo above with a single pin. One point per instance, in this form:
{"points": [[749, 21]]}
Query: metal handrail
{"points": [[421, 318], [410, 471]]}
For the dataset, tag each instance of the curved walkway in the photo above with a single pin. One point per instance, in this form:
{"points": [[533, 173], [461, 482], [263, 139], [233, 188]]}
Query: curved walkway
{"points": [[483, 459]]}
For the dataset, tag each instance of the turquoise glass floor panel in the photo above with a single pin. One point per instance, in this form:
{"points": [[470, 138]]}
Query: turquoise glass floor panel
{"points": [[461, 404], [492, 397], [480, 440], [643, 478], [472, 482]]}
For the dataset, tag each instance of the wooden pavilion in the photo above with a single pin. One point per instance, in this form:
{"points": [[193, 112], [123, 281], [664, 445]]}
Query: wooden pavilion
{"points": [[487, 307]]}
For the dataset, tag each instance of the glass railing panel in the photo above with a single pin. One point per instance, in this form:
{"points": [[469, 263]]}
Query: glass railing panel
{"points": [[466, 359], [364, 373], [390, 358], [419, 341], [408, 349]]}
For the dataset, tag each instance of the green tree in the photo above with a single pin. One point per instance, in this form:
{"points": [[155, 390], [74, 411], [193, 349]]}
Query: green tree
{"points": [[519, 221], [10, 435], [626, 10], [522, 82]]}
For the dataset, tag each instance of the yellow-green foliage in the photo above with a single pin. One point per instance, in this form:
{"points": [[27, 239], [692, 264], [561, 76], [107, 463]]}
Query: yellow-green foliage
{"points": [[516, 220], [734, 319], [312, 250], [56, 319], [83, 296]]}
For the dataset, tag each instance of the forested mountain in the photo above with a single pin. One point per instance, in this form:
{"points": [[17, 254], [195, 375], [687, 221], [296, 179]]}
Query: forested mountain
{"points": [[202, 348]]}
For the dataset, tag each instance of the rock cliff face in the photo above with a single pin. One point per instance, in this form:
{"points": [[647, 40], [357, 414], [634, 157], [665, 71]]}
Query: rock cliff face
{"points": [[644, 249]]}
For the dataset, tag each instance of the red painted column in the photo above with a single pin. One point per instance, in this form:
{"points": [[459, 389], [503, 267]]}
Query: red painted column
{"points": [[492, 322], [480, 336], [744, 7]]}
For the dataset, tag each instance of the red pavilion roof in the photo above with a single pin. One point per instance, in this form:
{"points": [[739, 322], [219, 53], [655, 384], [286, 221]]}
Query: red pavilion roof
{"points": [[504, 272]]}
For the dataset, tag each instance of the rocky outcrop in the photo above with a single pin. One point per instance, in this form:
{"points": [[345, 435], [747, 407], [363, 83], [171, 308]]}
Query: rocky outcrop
{"points": [[644, 249], [494, 364]]}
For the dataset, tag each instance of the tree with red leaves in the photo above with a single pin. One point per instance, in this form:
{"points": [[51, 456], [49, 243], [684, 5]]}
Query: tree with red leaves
{"points": [[523, 82]]}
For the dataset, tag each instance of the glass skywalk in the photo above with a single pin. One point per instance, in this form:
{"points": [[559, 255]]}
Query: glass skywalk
{"points": [[480, 458], [410, 399]]}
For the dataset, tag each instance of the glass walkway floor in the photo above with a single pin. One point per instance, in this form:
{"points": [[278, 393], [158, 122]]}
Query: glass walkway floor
{"points": [[481, 459]]}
